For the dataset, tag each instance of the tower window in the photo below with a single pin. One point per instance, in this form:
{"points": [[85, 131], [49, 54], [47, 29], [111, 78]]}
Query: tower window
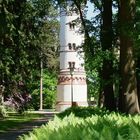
{"points": [[69, 45], [74, 46], [72, 26]]}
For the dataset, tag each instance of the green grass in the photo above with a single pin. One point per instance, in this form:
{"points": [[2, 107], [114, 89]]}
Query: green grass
{"points": [[14, 120]]}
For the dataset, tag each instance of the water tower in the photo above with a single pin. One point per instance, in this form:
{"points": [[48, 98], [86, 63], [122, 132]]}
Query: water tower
{"points": [[72, 87]]}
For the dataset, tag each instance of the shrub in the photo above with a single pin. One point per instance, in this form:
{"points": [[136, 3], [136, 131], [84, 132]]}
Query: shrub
{"points": [[18, 101], [3, 112], [106, 127], [83, 112]]}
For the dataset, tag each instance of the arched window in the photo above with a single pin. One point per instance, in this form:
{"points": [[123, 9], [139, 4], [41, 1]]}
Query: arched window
{"points": [[72, 26], [74, 46], [69, 45]]}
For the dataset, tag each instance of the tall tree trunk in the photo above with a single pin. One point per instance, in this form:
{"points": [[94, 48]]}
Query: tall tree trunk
{"points": [[138, 79], [128, 96], [106, 41]]}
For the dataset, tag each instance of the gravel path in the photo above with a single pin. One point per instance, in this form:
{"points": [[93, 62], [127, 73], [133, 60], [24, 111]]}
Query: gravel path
{"points": [[13, 134]]}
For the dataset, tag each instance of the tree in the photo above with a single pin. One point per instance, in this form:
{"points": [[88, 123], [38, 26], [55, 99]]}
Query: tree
{"points": [[22, 30], [106, 39], [137, 45], [128, 92], [106, 42], [49, 91]]}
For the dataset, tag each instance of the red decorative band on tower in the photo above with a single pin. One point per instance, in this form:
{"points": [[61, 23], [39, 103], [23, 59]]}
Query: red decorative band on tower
{"points": [[65, 80]]}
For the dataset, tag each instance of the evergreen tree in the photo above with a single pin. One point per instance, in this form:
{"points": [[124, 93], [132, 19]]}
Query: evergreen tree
{"points": [[23, 29]]}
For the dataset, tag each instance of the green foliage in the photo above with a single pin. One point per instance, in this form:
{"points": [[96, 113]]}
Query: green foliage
{"points": [[49, 90], [93, 79], [10, 108], [27, 29], [3, 111], [105, 127], [83, 112]]}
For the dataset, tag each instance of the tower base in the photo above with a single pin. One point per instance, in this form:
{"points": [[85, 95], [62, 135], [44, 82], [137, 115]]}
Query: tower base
{"points": [[61, 106], [66, 99]]}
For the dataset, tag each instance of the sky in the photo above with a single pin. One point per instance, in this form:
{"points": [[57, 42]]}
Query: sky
{"points": [[90, 10]]}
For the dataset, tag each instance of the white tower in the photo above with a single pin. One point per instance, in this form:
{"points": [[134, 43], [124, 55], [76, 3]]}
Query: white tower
{"points": [[72, 87]]}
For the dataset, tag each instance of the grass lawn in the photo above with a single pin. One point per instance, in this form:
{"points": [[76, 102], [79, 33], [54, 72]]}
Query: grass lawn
{"points": [[14, 120]]}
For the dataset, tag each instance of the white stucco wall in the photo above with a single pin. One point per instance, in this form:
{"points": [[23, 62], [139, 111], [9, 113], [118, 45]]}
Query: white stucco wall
{"points": [[78, 93], [64, 89], [66, 34]]}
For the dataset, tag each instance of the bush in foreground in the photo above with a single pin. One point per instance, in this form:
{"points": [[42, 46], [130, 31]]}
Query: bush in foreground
{"points": [[3, 112], [111, 126], [83, 112]]}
